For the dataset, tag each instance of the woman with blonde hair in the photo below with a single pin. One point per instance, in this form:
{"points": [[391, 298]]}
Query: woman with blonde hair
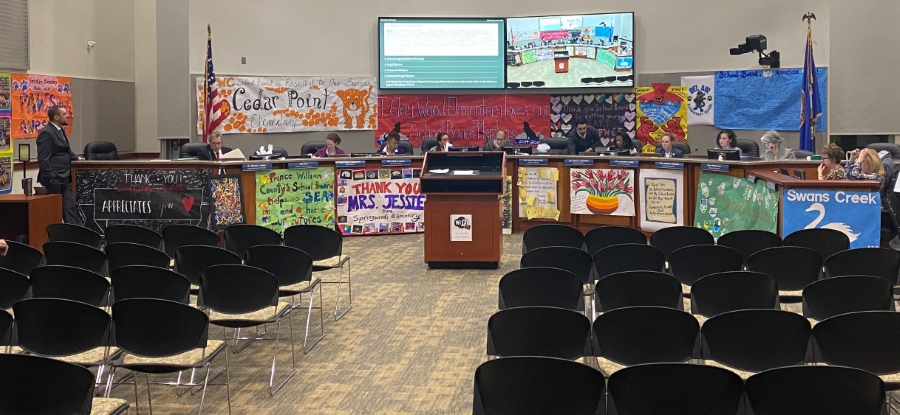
{"points": [[865, 164], [831, 168]]}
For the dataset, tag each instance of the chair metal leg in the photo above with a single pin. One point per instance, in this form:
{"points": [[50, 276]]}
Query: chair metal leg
{"points": [[273, 389], [227, 380], [205, 382], [149, 398], [306, 349], [338, 314]]}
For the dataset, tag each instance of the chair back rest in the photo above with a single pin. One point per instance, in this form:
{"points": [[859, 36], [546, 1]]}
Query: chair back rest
{"points": [[71, 283], [311, 147], [637, 335], [748, 147], [556, 143], [279, 152], [65, 232], [134, 234], [318, 242], [676, 388], [864, 340], [57, 327], [290, 265], [675, 237], [691, 263], [158, 328], [176, 236], [127, 253], [638, 289], [756, 340], [13, 287], [76, 255], [6, 323], [821, 390], [834, 296], [191, 259], [606, 236], [573, 260], [542, 236], [101, 150], [877, 262], [749, 242], [427, 144], [21, 258], [733, 290], [541, 287], [793, 267], [539, 331], [802, 154], [683, 146], [142, 281], [628, 257], [237, 289], [242, 236], [25, 391], [198, 150], [826, 242]]}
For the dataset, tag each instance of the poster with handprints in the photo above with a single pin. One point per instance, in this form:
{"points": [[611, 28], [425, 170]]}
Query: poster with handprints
{"points": [[32, 96], [661, 109], [608, 113], [255, 104], [227, 200], [602, 192], [727, 204]]}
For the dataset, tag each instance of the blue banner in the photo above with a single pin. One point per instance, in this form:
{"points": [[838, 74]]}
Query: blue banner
{"points": [[856, 214], [748, 100]]}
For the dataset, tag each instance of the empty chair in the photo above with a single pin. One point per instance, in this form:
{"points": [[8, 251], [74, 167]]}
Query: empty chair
{"points": [[21, 258], [793, 267], [6, 324], [326, 247], [638, 289], [101, 150], [539, 331], [691, 263], [826, 242], [877, 262], [749, 242], [70, 283], [541, 287], [751, 341], [67, 330], [670, 239], [537, 386], [606, 236], [820, 390], [864, 340], [75, 255], [542, 236], [127, 253], [191, 259], [311, 147], [673, 389], [636, 335], [142, 281], [833, 296], [134, 234], [176, 236], [65, 232], [628, 257], [573, 260], [240, 237], [722, 292], [13, 287]]}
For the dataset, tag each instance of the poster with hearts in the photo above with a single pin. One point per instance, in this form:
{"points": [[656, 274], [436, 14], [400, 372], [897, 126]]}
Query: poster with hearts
{"points": [[608, 113], [152, 198], [661, 109]]}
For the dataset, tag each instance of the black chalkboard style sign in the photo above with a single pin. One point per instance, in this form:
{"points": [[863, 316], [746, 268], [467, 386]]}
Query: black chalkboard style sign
{"points": [[152, 198]]}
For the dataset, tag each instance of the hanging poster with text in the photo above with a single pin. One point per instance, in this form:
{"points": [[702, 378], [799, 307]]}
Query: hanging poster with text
{"points": [[5, 113], [661, 108], [662, 201], [538, 192], [609, 113], [750, 100], [506, 206], [6, 173], [602, 192], [701, 96], [470, 120], [257, 104], [380, 201], [286, 198], [853, 213], [727, 204], [152, 198], [32, 96]]}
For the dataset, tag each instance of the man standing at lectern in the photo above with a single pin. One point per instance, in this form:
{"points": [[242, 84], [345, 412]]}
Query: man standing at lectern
{"points": [[55, 161]]}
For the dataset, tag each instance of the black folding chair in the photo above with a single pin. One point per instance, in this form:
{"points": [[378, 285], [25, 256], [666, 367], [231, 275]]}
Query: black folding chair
{"points": [[539, 331], [834, 296], [537, 386], [191, 259], [176, 236], [37, 385], [13, 287], [541, 287], [668, 240], [566, 258], [691, 263], [749, 241], [877, 262], [240, 237], [70, 283], [65, 232], [75, 254], [21, 258], [728, 291], [638, 289], [127, 253], [325, 246], [820, 390], [134, 234], [628, 257], [792, 267], [826, 242], [606, 236], [674, 388], [6, 329], [142, 281], [542, 236]]}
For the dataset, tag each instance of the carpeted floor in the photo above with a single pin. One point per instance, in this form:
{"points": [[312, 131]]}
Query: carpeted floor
{"points": [[410, 345]]}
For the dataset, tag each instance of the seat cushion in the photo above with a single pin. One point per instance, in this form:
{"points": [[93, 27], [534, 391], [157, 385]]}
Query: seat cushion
{"points": [[91, 357], [266, 315], [108, 406], [332, 262], [192, 358], [744, 374], [608, 367]]}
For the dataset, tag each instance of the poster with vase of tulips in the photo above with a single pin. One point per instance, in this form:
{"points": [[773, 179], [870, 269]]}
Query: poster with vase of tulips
{"points": [[602, 192]]}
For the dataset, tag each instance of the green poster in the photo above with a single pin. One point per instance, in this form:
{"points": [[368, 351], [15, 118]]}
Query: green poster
{"points": [[295, 197], [726, 204], [606, 57], [528, 57]]}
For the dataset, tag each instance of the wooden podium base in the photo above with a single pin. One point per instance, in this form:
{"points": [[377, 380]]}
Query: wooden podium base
{"points": [[483, 251], [463, 265]]}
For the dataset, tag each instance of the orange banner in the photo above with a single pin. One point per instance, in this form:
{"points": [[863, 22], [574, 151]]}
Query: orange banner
{"points": [[32, 96]]}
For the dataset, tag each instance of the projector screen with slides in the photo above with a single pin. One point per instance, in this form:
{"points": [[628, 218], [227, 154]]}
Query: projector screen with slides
{"points": [[440, 53], [592, 50]]}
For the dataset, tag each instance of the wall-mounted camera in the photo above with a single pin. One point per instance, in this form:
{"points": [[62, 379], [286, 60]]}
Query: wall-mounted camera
{"points": [[757, 43]]}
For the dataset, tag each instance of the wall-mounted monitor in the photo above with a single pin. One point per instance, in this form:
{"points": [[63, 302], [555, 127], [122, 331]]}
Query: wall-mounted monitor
{"points": [[441, 53], [590, 51]]}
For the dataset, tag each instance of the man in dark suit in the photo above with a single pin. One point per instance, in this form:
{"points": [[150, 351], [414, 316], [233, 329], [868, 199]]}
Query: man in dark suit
{"points": [[583, 138], [667, 149], [54, 159], [214, 149]]}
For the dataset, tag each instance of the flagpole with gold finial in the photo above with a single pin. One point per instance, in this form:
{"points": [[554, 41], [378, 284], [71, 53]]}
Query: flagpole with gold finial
{"points": [[809, 17]]}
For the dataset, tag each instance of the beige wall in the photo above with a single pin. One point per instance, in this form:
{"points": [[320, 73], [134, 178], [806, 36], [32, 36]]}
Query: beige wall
{"points": [[145, 81]]}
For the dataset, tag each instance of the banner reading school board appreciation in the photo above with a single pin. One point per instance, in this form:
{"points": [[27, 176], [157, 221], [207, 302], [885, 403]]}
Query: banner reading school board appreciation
{"points": [[291, 104]]}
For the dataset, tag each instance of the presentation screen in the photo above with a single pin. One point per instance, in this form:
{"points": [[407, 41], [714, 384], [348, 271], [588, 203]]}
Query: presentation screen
{"points": [[440, 53], [590, 50]]}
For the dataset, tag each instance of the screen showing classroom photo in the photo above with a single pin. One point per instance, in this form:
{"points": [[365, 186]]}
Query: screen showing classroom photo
{"points": [[441, 53], [592, 50]]}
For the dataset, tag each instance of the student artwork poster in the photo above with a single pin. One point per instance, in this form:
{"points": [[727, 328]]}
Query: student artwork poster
{"points": [[662, 199], [32, 96], [380, 201], [295, 197]]}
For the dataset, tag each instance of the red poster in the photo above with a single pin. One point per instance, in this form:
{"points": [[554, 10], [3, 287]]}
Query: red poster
{"points": [[469, 119], [555, 35]]}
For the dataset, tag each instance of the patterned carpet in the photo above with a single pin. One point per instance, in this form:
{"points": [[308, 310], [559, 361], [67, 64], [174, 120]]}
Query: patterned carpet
{"points": [[409, 346]]}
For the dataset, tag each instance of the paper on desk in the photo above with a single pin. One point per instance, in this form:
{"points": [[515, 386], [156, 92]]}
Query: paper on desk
{"points": [[235, 154], [464, 172], [439, 171]]}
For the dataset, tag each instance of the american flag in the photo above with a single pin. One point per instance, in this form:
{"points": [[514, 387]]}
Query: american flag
{"points": [[212, 100]]}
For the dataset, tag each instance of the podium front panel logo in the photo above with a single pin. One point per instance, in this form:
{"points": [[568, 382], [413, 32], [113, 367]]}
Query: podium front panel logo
{"points": [[461, 228]]}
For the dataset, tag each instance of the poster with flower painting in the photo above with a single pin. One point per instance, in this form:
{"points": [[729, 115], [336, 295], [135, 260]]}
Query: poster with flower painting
{"points": [[602, 192]]}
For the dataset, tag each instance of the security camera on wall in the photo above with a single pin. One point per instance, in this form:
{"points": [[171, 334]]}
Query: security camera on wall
{"points": [[758, 43]]}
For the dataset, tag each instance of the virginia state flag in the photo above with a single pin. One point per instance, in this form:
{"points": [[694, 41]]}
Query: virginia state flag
{"points": [[811, 103]]}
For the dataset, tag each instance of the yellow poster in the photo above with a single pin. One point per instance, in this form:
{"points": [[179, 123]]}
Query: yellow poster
{"points": [[661, 108]]}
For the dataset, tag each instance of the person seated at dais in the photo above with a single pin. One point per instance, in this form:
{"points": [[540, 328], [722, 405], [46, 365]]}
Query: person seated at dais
{"points": [[443, 144], [499, 142], [583, 138], [667, 147], [727, 140], [621, 142], [831, 168], [865, 164], [773, 150], [331, 147], [392, 145]]}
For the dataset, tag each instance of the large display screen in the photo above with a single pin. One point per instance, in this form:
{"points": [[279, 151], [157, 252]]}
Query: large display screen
{"points": [[592, 50], [441, 53]]}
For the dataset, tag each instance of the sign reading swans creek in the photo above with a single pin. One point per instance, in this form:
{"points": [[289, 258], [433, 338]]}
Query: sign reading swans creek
{"points": [[856, 214]]}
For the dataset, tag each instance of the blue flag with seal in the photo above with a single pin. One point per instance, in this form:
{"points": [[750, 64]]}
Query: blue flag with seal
{"points": [[856, 214], [811, 102]]}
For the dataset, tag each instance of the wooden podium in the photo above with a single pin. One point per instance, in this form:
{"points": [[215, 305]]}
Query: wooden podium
{"points": [[29, 216], [462, 208]]}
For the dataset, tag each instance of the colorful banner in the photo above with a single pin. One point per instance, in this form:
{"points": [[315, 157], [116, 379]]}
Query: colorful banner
{"points": [[295, 197], [700, 100], [226, 193], [6, 149], [380, 201], [538, 192], [152, 198], [609, 113], [6, 172], [32, 96], [661, 108], [726, 204], [662, 199], [602, 192], [856, 214], [294, 104], [506, 206], [470, 120], [750, 100]]}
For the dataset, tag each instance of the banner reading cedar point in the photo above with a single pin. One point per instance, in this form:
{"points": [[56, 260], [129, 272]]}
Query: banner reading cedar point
{"points": [[468, 119]]}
